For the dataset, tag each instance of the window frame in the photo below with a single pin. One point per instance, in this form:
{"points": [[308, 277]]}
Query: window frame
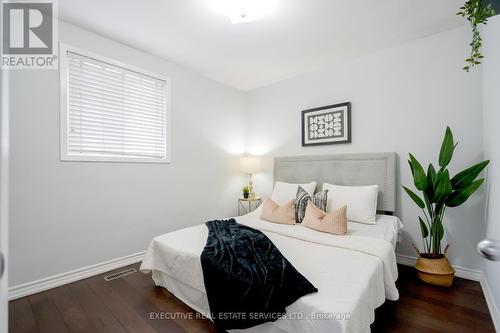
{"points": [[64, 109]]}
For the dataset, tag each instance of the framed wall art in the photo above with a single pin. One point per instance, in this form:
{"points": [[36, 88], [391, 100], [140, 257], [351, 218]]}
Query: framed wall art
{"points": [[327, 125]]}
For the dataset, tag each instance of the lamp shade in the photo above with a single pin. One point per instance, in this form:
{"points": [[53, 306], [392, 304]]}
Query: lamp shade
{"points": [[250, 164]]}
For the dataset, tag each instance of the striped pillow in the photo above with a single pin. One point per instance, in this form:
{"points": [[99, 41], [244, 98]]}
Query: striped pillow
{"points": [[302, 198]]}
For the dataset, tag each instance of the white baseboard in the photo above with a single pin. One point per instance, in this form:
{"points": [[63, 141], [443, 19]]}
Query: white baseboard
{"points": [[462, 272], [37, 286], [490, 300], [470, 274], [405, 260]]}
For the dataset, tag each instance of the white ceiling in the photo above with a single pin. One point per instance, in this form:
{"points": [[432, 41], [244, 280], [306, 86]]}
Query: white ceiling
{"points": [[298, 37]]}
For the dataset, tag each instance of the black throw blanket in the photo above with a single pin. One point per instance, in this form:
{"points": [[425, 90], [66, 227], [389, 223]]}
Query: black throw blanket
{"points": [[247, 279]]}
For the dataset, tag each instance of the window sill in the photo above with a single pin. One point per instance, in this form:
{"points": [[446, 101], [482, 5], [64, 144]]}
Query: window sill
{"points": [[114, 159]]}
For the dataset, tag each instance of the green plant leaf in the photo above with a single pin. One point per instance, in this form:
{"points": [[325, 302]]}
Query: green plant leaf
{"points": [[411, 166], [439, 207], [437, 229], [431, 183], [419, 176], [467, 176], [431, 174], [414, 197], [423, 228], [458, 197], [440, 231], [427, 200], [447, 147], [437, 234], [443, 187]]}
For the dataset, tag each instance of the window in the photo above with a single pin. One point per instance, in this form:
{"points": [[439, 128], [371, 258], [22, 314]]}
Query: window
{"points": [[112, 112]]}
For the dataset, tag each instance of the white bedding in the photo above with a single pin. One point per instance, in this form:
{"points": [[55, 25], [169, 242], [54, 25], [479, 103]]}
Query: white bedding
{"points": [[354, 274], [387, 227]]}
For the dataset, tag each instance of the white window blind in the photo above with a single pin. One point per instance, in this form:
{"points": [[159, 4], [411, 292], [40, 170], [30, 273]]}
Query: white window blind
{"points": [[113, 113]]}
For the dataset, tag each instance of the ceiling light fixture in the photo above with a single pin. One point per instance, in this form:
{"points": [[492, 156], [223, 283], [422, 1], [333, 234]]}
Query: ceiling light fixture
{"points": [[241, 11]]}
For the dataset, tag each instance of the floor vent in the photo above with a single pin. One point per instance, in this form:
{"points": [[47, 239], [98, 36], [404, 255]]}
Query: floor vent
{"points": [[120, 274]]}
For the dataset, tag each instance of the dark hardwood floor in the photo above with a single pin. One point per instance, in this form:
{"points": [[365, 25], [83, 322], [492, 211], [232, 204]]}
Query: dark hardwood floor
{"points": [[130, 304]]}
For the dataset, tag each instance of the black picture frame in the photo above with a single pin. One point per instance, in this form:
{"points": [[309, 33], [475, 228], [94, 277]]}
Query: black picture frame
{"points": [[347, 126]]}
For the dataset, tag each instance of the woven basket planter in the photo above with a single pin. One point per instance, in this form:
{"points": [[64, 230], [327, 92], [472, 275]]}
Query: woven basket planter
{"points": [[437, 271]]}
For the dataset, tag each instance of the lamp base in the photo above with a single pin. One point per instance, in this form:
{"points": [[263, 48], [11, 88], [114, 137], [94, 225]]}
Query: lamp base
{"points": [[251, 195]]}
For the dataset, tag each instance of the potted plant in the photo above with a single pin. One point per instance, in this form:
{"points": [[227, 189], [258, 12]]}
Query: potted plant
{"points": [[246, 191], [438, 192], [476, 12]]}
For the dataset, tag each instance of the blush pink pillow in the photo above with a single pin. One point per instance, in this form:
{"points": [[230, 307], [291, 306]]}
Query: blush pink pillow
{"points": [[334, 222], [272, 212]]}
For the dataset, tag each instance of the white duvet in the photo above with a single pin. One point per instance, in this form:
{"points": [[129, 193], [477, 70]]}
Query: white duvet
{"points": [[354, 274]]}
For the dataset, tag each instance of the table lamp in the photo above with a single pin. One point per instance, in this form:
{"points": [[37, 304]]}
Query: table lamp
{"points": [[250, 165]]}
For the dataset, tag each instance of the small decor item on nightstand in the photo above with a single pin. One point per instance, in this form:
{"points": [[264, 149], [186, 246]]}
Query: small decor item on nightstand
{"points": [[246, 192], [327, 125], [439, 191]]}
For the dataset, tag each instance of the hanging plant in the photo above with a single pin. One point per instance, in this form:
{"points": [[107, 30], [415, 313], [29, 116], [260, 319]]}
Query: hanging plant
{"points": [[477, 13]]}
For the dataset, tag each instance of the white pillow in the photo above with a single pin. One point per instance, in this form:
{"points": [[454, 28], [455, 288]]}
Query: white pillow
{"points": [[284, 192], [361, 201]]}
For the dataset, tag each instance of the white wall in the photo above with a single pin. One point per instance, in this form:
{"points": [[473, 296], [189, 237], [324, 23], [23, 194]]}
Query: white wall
{"points": [[403, 98], [491, 95], [68, 215]]}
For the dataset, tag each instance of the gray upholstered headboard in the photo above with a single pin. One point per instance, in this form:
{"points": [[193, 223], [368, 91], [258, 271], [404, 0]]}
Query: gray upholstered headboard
{"points": [[344, 169]]}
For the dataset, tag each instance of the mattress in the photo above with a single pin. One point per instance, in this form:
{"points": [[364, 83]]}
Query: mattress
{"points": [[354, 274]]}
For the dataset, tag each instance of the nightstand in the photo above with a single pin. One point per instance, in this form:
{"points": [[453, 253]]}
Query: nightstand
{"points": [[245, 206]]}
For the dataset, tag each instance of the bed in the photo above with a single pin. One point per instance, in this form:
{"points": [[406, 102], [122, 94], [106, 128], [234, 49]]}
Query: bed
{"points": [[354, 274]]}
